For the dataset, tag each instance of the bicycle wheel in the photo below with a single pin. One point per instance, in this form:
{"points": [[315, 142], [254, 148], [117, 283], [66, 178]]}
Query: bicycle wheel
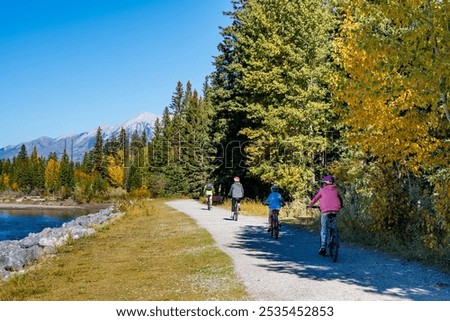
{"points": [[235, 215], [272, 228], [330, 242], [276, 230], [336, 247], [209, 202]]}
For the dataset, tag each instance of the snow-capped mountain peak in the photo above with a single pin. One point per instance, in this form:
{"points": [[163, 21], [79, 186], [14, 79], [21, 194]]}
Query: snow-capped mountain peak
{"points": [[78, 144]]}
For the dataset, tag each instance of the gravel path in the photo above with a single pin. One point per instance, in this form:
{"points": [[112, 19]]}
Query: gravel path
{"points": [[290, 269]]}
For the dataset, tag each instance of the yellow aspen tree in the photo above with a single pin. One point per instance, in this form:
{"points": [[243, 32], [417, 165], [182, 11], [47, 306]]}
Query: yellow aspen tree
{"points": [[5, 180], [116, 170], [52, 171], [395, 81]]}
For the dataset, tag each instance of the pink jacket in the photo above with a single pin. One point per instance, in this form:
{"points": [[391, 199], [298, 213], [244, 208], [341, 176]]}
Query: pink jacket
{"points": [[330, 201]]}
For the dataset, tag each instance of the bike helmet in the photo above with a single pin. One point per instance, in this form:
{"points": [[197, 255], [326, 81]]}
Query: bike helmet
{"points": [[328, 180], [236, 179], [274, 188]]}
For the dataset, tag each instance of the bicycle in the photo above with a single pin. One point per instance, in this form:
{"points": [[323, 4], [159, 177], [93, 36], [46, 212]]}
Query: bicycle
{"points": [[332, 235], [275, 224], [235, 208]]}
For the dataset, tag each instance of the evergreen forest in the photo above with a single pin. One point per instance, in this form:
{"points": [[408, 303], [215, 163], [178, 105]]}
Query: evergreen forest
{"points": [[300, 89]]}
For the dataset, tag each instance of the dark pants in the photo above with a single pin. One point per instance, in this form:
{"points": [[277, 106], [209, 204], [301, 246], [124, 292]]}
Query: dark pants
{"points": [[235, 204]]}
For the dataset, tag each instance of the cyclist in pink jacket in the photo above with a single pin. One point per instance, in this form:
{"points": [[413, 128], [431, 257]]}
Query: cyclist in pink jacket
{"points": [[330, 202]]}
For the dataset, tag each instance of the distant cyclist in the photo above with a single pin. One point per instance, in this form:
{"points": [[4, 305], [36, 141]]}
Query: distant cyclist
{"points": [[330, 202], [275, 201], [208, 190], [236, 193]]}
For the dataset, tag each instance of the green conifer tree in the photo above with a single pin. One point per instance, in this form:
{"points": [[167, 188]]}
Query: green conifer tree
{"points": [[66, 175], [274, 108], [98, 160], [37, 171]]}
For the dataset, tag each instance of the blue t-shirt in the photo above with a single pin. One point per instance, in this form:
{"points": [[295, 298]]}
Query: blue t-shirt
{"points": [[274, 200]]}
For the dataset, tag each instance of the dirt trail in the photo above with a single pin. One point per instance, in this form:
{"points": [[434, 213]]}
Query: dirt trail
{"points": [[291, 269]]}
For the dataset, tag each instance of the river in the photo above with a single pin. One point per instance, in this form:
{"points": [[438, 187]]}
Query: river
{"points": [[17, 224]]}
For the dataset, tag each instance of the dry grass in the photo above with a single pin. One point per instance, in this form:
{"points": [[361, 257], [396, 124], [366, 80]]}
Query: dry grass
{"points": [[153, 253], [294, 213], [248, 207]]}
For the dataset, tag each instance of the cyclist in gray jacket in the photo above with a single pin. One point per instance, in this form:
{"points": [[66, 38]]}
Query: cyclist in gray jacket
{"points": [[236, 193]]}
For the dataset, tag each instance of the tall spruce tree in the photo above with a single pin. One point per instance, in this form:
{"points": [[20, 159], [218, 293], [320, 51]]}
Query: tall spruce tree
{"points": [[174, 133], [98, 159], [37, 171], [124, 146], [21, 170], [196, 146], [66, 175], [271, 87], [227, 96]]}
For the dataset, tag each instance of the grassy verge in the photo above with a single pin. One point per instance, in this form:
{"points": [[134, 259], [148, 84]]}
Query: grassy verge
{"points": [[152, 253]]}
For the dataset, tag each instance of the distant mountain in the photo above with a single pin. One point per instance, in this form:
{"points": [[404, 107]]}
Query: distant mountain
{"points": [[78, 144]]}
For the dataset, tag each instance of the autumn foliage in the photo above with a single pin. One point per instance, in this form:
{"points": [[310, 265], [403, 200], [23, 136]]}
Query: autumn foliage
{"points": [[300, 89]]}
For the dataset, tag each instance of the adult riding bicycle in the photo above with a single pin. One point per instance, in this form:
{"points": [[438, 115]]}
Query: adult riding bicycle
{"points": [[236, 193]]}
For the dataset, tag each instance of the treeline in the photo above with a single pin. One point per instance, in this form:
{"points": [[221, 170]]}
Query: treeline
{"points": [[358, 89], [176, 160]]}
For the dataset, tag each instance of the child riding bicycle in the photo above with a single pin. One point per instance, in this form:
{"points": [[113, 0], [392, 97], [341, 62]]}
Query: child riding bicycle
{"points": [[275, 201], [330, 202], [208, 190]]}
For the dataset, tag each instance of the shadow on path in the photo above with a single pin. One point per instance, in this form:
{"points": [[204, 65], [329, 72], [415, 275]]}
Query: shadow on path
{"points": [[296, 253]]}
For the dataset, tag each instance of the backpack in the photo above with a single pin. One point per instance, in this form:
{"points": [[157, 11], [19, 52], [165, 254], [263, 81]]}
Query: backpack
{"points": [[209, 187]]}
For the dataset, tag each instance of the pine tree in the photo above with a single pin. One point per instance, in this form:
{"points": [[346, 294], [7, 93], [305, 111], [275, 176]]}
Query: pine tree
{"points": [[134, 179], [196, 158], [175, 137], [275, 113], [66, 175], [156, 153], [124, 146], [37, 171], [176, 105], [21, 170], [98, 161]]}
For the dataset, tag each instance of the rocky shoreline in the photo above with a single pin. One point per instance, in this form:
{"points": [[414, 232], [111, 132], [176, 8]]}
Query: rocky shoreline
{"points": [[32, 202], [16, 255]]}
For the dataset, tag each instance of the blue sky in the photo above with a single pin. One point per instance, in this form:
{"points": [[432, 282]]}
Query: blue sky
{"points": [[71, 66]]}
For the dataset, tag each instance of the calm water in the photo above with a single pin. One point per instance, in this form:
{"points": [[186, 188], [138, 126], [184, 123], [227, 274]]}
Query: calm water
{"points": [[15, 224]]}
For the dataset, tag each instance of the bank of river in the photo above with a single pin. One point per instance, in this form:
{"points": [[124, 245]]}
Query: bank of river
{"points": [[16, 255]]}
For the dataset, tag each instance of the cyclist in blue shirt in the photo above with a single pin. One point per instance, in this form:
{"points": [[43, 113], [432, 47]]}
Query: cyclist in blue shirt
{"points": [[275, 201]]}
